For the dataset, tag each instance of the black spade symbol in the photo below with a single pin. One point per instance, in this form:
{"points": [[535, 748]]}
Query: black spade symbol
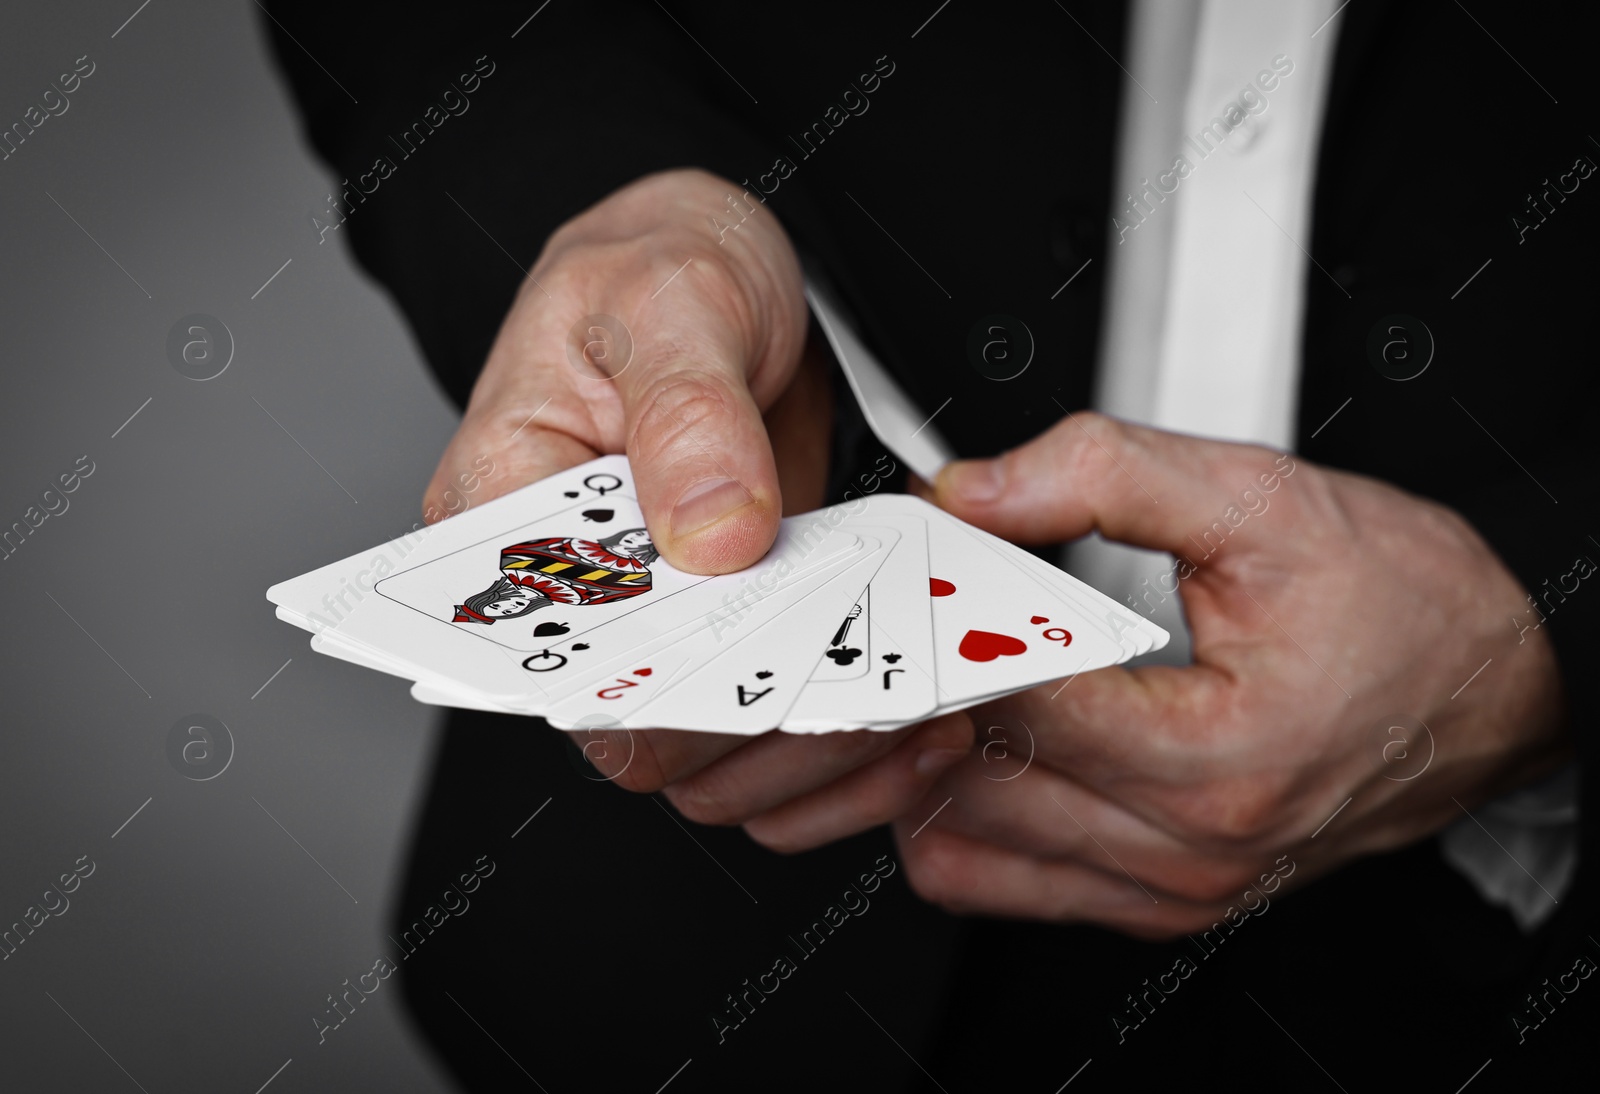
{"points": [[580, 646], [569, 494], [598, 515], [891, 657], [545, 630], [763, 674], [843, 655]]}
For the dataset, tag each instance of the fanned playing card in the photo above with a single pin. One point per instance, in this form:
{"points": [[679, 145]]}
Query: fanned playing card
{"points": [[878, 665]]}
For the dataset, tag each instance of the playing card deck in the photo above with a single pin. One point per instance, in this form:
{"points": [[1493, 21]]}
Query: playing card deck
{"points": [[553, 601]]}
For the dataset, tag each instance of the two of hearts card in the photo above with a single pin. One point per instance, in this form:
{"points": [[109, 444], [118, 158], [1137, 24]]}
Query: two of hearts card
{"points": [[552, 601]]}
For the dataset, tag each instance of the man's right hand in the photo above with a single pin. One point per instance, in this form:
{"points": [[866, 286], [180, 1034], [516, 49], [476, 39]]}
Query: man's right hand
{"points": [[717, 330], [719, 337]]}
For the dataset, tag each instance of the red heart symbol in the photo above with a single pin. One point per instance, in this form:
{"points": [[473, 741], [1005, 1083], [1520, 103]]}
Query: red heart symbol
{"points": [[1038, 619], [940, 587], [641, 672], [986, 646]]}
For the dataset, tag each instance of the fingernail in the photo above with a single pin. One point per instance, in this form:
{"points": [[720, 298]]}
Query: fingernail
{"points": [[707, 502], [973, 480], [931, 761]]}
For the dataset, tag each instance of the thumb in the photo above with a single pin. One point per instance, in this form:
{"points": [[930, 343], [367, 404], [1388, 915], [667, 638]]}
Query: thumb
{"points": [[1139, 486], [726, 340], [702, 461]]}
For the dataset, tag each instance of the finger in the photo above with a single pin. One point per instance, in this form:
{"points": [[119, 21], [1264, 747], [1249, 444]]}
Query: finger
{"points": [[1140, 486], [646, 760], [969, 877], [1046, 815], [773, 769], [1180, 749], [702, 461], [872, 794], [1133, 735]]}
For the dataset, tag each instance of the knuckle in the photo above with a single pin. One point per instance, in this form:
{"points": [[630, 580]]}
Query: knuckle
{"points": [[691, 799], [1208, 885], [639, 770], [1235, 813], [1449, 529], [1093, 442], [634, 778], [934, 873], [1103, 429], [569, 234], [952, 731], [675, 411], [776, 838], [718, 276], [1094, 422]]}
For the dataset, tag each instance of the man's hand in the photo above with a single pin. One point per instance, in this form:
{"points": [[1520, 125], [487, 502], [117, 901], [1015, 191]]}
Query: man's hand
{"points": [[717, 330], [1325, 608], [724, 410]]}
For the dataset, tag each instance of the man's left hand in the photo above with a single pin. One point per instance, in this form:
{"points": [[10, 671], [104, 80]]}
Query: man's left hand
{"points": [[1331, 614]]}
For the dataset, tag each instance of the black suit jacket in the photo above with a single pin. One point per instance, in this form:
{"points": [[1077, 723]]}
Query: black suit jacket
{"points": [[963, 170]]}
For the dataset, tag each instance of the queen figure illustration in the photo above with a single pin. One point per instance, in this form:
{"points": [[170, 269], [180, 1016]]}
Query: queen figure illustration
{"points": [[563, 570]]}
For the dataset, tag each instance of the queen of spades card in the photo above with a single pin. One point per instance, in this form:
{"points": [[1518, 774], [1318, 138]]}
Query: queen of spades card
{"points": [[563, 570]]}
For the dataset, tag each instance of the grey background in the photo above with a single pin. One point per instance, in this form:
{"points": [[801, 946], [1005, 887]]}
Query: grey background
{"points": [[205, 941]]}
